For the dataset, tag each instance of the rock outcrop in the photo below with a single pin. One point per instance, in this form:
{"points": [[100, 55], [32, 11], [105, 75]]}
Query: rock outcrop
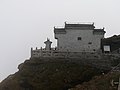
{"points": [[49, 74]]}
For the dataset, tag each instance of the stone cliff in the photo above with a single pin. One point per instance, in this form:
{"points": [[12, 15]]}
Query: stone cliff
{"points": [[50, 74]]}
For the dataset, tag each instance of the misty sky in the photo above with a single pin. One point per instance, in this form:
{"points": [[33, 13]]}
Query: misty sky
{"points": [[27, 23]]}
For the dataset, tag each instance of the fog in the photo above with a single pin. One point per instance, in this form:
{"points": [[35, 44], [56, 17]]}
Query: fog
{"points": [[27, 23]]}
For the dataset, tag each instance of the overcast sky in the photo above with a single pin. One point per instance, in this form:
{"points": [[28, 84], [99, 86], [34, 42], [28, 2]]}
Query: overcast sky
{"points": [[27, 23]]}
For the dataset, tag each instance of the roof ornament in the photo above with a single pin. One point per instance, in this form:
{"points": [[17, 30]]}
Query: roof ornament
{"points": [[65, 22], [103, 28], [48, 39]]}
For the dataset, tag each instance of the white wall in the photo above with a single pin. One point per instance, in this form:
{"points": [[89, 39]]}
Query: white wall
{"points": [[70, 42]]}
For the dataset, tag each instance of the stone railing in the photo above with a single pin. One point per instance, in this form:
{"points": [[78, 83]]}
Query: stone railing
{"points": [[64, 54]]}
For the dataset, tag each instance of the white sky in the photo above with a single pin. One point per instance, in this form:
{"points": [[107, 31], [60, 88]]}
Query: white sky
{"points": [[27, 23]]}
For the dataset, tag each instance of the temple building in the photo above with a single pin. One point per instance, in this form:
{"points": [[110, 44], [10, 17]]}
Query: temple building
{"points": [[79, 38], [72, 40]]}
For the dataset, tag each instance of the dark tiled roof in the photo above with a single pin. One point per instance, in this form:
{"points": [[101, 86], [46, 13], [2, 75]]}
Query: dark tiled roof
{"points": [[77, 27], [90, 26], [99, 30], [59, 30]]}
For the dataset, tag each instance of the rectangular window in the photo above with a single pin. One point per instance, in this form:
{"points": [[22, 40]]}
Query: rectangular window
{"points": [[79, 38], [90, 43]]}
